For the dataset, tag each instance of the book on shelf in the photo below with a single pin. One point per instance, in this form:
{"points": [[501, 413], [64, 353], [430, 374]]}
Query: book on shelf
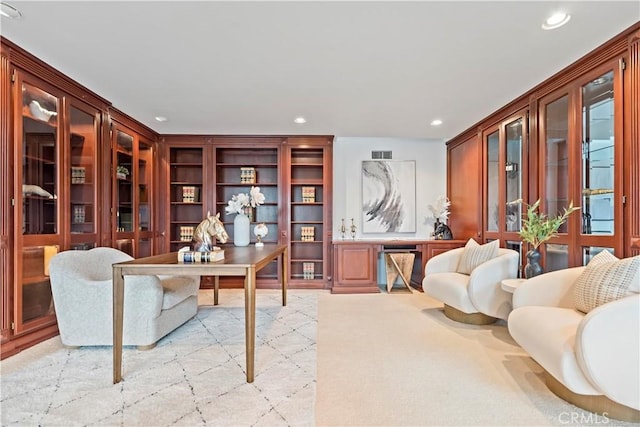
{"points": [[186, 233], [78, 214], [78, 174], [308, 194], [201, 257], [308, 270], [307, 234], [190, 194], [247, 175]]}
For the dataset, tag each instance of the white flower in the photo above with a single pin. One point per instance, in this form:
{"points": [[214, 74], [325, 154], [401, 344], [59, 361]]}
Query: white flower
{"points": [[440, 210], [239, 202]]}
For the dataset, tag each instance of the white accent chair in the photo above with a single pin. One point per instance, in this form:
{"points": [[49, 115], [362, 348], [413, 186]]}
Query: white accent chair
{"points": [[477, 298], [591, 360], [81, 282]]}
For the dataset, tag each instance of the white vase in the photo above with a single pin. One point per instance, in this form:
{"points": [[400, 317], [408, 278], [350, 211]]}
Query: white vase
{"points": [[241, 233]]}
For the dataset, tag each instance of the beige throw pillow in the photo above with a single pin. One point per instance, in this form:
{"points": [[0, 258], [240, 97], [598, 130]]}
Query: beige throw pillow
{"points": [[474, 254], [605, 279]]}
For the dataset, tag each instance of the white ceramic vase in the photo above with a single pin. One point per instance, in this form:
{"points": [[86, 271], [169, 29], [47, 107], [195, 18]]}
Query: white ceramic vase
{"points": [[241, 233]]}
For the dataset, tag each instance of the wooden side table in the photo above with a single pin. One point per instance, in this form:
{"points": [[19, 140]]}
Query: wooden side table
{"points": [[510, 285]]}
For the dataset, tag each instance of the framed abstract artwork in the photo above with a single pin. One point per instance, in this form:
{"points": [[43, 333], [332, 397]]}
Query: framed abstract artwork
{"points": [[388, 196]]}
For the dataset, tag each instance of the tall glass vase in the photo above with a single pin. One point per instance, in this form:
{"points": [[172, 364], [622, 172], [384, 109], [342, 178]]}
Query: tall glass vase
{"points": [[241, 233], [533, 267]]}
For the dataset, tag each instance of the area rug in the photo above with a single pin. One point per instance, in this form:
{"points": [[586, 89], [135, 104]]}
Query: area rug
{"points": [[194, 376]]}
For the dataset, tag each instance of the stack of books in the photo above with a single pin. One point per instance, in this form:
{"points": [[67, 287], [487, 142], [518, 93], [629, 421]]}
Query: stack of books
{"points": [[78, 214], [190, 194], [247, 175], [191, 256], [308, 234], [308, 194], [78, 174], [186, 233], [308, 270]]}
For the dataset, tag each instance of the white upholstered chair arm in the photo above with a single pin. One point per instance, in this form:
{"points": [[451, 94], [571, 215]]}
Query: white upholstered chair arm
{"points": [[485, 290], [444, 262], [553, 289], [608, 349]]}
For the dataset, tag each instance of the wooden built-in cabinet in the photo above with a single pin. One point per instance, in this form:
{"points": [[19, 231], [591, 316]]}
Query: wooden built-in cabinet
{"points": [[204, 172], [356, 262], [573, 138]]}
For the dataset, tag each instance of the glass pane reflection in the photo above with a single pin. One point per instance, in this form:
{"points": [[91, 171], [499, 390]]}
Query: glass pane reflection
{"points": [[557, 257], [493, 143], [598, 156], [557, 169], [513, 171]]}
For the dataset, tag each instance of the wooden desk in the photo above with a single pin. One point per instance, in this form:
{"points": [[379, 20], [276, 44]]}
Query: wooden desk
{"points": [[239, 261]]}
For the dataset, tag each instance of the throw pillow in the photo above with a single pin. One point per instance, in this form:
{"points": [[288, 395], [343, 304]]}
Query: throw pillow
{"points": [[474, 254], [605, 279]]}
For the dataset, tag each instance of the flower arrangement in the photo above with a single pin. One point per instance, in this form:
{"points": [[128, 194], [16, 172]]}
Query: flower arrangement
{"points": [[240, 202], [440, 210], [537, 227]]}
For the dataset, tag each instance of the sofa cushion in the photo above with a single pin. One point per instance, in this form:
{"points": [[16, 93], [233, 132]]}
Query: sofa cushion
{"points": [[178, 289], [605, 279], [474, 254]]}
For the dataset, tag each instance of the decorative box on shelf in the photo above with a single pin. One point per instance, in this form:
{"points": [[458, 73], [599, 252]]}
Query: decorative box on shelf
{"points": [[190, 194], [247, 175], [308, 270], [308, 194], [307, 234]]}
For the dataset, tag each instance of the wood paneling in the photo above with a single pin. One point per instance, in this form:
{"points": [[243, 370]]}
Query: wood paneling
{"points": [[632, 148], [464, 188]]}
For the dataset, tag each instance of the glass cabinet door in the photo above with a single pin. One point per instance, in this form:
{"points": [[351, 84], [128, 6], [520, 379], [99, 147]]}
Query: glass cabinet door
{"points": [[82, 192], [144, 184], [39, 177], [513, 175], [124, 186], [493, 181]]}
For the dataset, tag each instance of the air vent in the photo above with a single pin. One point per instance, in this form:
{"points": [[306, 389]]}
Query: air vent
{"points": [[381, 155]]}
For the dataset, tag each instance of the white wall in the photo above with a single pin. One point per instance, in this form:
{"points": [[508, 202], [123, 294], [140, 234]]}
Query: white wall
{"points": [[431, 181]]}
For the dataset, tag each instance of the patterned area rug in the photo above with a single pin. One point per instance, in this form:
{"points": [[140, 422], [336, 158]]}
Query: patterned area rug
{"points": [[195, 376]]}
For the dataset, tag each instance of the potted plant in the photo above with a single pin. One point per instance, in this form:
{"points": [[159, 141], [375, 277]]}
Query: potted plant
{"points": [[537, 228], [122, 172]]}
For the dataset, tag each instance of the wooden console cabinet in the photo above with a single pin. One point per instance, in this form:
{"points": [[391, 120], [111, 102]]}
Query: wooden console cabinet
{"points": [[356, 261]]}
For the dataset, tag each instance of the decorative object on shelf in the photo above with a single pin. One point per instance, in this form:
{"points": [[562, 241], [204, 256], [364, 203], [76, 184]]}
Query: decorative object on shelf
{"points": [[39, 112], [211, 227], [78, 174], [388, 196], [353, 229], [260, 230], [441, 231], [440, 212], [247, 175], [308, 270], [536, 229], [343, 228], [29, 189], [308, 194], [190, 194], [307, 233], [122, 172], [240, 204], [186, 233]]}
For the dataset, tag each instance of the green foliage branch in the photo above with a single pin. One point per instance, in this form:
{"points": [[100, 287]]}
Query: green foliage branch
{"points": [[537, 227]]}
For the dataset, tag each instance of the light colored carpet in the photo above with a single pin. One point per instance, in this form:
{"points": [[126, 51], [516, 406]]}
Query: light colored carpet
{"points": [[382, 360], [396, 360], [195, 376]]}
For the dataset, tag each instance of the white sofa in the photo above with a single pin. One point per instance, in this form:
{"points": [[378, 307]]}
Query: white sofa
{"points": [[476, 298], [81, 282], [591, 360]]}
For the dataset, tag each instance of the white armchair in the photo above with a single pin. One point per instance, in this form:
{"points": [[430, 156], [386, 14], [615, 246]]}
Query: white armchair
{"points": [[591, 360], [476, 298], [81, 283]]}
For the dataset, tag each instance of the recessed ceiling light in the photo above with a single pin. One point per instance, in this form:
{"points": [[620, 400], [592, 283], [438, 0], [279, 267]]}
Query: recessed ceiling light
{"points": [[300, 120], [436, 122], [9, 11], [161, 119], [556, 20]]}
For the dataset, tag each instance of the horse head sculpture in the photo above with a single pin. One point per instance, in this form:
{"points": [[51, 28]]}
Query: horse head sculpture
{"points": [[211, 227], [442, 231]]}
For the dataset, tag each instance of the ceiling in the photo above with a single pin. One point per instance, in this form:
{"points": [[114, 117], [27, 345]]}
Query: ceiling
{"points": [[370, 69]]}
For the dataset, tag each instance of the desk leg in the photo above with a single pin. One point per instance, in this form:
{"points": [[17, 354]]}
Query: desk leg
{"points": [[250, 319], [285, 275], [216, 287], [118, 309]]}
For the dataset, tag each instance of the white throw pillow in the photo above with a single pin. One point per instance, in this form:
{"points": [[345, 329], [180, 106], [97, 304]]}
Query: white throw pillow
{"points": [[474, 254], [605, 279]]}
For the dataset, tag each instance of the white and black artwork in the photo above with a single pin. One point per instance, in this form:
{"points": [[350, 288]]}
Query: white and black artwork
{"points": [[388, 196]]}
